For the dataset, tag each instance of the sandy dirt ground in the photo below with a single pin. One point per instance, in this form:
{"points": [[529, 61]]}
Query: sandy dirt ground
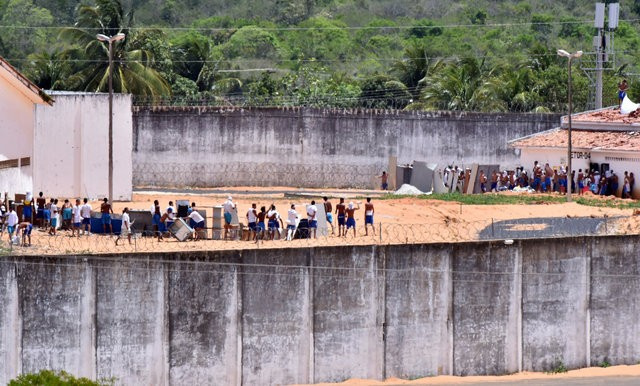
{"points": [[592, 372], [402, 220]]}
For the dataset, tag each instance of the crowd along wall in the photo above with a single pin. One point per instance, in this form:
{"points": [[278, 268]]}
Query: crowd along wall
{"points": [[282, 316], [305, 147]]}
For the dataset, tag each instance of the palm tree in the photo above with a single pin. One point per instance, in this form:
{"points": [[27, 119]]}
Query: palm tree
{"points": [[417, 63], [133, 68], [48, 70], [467, 84]]}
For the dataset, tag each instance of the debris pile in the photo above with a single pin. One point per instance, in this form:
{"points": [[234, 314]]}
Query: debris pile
{"points": [[407, 189]]}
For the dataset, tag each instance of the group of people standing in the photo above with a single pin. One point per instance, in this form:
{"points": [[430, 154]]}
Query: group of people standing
{"points": [[271, 221], [50, 215], [547, 179]]}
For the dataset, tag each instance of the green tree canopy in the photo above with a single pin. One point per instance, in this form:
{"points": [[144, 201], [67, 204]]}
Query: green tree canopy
{"points": [[132, 68]]}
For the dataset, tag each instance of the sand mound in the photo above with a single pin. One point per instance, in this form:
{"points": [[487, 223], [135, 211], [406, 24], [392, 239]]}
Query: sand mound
{"points": [[408, 189]]}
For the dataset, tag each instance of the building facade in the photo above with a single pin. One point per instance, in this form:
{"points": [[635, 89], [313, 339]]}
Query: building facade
{"points": [[57, 142], [602, 140]]}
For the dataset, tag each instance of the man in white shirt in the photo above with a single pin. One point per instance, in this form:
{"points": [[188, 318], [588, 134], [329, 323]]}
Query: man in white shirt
{"points": [[252, 219], [312, 210], [76, 218], [125, 229], [292, 219], [229, 206], [85, 213], [173, 209], [274, 218], [196, 222], [12, 222]]}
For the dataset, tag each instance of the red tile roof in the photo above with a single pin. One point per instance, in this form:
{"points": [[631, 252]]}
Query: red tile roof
{"points": [[582, 139]]}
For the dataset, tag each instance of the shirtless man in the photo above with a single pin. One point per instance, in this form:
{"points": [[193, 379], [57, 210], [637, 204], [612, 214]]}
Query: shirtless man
{"points": [[537, 178], [580, 182], [274, 218], [483, 182], [260, 226], [548, 172], [106, 210], [383, 179], [340, 211], [351, 220], [494, 181], [41, 202], [368, 217], [328, 209], [26, 228]]}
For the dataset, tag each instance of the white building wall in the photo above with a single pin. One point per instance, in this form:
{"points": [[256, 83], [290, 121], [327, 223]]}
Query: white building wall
{"points": [[16, 133], [555, 158], [71, 146], [619, 162]]}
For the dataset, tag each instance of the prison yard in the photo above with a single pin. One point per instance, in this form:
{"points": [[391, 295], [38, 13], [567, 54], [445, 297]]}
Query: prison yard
{"points": [[398, 219]]}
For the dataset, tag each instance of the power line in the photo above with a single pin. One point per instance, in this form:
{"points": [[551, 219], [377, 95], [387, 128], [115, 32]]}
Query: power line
{"points": [[311, 60], [403, 27]]}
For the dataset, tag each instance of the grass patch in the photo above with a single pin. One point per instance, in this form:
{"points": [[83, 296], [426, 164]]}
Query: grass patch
{"points": [[614, 203], [486, 199], [519, 199], [558, 367]]}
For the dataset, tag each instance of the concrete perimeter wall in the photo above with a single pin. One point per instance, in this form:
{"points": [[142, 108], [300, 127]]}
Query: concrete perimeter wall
{"points": [[281, 316], [305, 147]]}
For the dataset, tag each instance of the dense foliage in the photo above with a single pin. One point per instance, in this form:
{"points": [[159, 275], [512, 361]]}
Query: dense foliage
{"points": [[55, 378], [421, 55]]}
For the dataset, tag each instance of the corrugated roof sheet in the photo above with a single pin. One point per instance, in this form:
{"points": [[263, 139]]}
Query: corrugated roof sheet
{"points": [[583, 139]]}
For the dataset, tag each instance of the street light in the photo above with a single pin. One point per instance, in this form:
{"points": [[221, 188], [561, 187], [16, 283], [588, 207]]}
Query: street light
{"points": [[569, 176], [110, 40]]}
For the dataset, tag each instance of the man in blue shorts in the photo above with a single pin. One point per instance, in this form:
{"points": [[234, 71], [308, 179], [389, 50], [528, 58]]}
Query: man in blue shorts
{"points": [[27, 208], [41, 202], [85, 213], [340, 211], [106, 210], [274, 218], [12, 222], [229, 206], [26, 228], [76, 218], [252, 219], [368, 217], [156, 220], [312, 211], [351, 220], [196, 221], [292, 220], [383, 180], [260, 226], [47, 213], [328, 209]]}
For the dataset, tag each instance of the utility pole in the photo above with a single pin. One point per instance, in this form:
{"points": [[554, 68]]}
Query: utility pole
{"points": [[603, 44], [110, 40]]}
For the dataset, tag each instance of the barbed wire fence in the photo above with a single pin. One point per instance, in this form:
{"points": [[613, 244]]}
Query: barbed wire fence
{"points": [[241, 238]]}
